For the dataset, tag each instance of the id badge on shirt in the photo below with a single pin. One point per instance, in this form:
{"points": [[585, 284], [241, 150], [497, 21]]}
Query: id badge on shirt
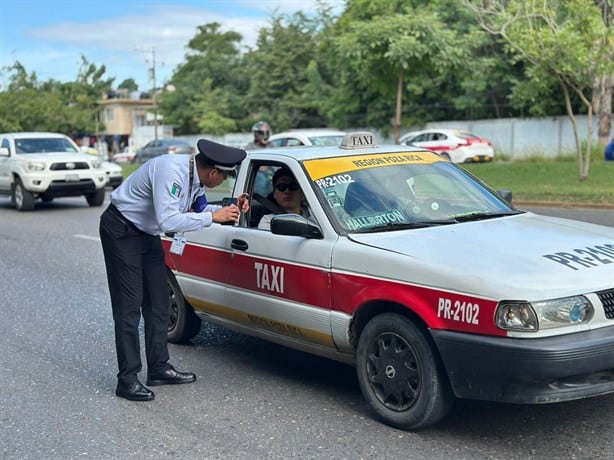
{"points": [[178, 244]]}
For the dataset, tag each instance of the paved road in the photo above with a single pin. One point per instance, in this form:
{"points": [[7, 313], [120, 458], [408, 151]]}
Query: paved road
{"points": [[595, 215], [252, 399]]}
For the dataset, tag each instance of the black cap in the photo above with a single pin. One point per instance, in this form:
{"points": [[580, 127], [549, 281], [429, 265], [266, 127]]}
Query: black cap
{"points": [[283, 171], [222, 157]]}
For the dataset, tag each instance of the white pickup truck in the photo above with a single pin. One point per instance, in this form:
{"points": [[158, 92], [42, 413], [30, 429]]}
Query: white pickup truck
{"points": [[47, 165]]}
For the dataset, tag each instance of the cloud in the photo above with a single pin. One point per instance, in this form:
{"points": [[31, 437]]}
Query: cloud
{"points": [[125, 43]]}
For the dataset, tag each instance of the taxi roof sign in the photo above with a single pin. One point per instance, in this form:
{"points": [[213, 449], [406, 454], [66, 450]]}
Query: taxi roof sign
{"points": [[358, 140]]}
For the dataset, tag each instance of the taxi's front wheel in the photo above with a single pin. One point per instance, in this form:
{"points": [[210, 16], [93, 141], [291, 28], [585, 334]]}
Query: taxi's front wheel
{"points": [[183, 324], [400, 374]]}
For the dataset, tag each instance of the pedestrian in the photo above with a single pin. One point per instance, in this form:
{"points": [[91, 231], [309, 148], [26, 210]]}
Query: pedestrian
{"points": [[165, 195], [609, 151]]}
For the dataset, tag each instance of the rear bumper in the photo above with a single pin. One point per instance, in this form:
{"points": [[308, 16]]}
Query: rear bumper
{"points": [[528, 371], [478, 159]]}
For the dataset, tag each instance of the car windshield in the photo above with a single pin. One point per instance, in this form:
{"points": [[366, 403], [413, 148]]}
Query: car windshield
{"points": [[44, 145], [381, 192]]}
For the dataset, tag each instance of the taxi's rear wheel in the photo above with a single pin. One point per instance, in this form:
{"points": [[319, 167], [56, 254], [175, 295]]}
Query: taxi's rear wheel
{"points": [[400, 374], [183, 324]]}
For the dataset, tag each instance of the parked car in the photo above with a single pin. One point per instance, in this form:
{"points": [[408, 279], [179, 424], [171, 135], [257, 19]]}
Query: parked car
{"points": [[408, 267], [114, 172], [127, 155], [40, 165], [317, 137], [161, 147], [455, 145]]}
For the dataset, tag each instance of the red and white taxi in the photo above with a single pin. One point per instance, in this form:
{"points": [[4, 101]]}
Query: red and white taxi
{"points": [[433, 285], [455, 145]]}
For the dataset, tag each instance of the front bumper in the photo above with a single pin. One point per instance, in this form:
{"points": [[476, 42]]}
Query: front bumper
{"points": [[64, 184], [528, 371], [114, 181]]}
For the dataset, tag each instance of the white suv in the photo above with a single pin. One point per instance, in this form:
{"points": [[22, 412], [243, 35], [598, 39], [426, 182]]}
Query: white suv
{"points": [[46, 166]]}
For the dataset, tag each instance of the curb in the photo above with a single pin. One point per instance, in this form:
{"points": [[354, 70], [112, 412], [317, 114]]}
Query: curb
{"points": [[562, 204]]}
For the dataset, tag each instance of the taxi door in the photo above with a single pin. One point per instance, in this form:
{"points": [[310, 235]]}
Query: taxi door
{"points": [[280, 283]]}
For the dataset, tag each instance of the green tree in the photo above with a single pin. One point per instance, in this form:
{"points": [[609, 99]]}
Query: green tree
{"points": [[209, 105], [604, 84], [213, 63], [566, 42], [29, 105], [397, 50], [128, 84], [280, 69]]}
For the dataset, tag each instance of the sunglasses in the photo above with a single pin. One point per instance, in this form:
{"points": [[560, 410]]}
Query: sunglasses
{"points": [[292, 186]]}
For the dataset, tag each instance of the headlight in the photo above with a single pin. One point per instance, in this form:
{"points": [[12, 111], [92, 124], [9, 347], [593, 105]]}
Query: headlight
{"points": [[546, 314], [36, 165], [516, 316]]}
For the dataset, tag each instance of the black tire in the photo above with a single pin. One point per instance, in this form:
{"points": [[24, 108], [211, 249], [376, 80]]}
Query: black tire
{"points": [[22, 199], [445, 155], [183, 324], [400, 373], [96, 198]]}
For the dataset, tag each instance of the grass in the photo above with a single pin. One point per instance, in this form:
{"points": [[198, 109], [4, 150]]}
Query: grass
{"points": [[540, 180], [544, 180]]}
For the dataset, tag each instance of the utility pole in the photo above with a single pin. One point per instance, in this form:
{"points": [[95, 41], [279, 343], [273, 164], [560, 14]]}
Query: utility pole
{"points": [[152, 75]]}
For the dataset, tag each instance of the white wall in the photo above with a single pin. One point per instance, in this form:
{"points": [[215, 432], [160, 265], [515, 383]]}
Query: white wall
{"points": [[522, 137]]}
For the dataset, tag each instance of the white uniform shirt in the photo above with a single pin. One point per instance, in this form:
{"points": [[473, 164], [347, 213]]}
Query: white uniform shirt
{"points": [[156, 197]]}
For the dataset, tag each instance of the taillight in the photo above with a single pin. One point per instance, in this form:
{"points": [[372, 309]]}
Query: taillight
{"points": [[172, 149]]}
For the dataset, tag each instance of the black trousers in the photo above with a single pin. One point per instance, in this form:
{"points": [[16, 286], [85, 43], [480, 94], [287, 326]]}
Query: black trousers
{"points": [[137, 282]]}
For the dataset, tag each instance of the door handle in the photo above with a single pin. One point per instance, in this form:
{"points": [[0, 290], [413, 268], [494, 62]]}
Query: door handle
{"points": [[239, 244]]}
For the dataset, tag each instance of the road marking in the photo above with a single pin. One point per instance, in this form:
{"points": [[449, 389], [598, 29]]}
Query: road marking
{"points": [[87, 237]]}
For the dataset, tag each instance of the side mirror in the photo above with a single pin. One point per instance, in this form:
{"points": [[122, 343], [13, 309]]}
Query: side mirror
{"points": [[4, 152], [506, 195], [294, 225]]}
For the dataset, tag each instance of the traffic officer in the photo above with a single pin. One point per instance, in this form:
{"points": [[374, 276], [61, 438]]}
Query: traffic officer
{"points": [[165, 195]]}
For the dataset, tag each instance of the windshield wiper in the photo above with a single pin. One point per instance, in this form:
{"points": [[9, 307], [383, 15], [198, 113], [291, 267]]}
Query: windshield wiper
{"points": [[391, 226], [483, 215]]}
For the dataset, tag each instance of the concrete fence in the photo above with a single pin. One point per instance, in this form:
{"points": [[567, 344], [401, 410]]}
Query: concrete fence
{"points": [[514, 137]]}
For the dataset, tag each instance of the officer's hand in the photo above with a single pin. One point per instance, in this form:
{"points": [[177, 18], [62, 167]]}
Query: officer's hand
{"points": [[226, 214], [243, 202]]}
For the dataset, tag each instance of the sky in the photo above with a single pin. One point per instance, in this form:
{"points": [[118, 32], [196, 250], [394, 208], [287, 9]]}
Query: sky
{"points": [[48, 37]]}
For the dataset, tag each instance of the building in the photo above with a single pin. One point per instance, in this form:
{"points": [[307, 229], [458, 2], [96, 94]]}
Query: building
{"points": [[130, 120]]}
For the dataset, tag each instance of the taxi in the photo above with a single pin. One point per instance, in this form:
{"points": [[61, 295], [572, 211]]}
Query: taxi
{"points": [[433, 285]]}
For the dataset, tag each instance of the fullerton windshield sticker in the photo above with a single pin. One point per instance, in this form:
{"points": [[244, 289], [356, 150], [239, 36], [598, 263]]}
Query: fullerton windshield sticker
{"points": [[371, 220], [336, 168]]}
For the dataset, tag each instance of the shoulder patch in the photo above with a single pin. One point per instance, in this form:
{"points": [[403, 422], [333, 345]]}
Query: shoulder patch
{"points": [[176, 189]]}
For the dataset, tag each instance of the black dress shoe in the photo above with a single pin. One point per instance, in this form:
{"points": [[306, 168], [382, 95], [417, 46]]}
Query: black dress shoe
{"points": [[169, 377], [134, 391]]}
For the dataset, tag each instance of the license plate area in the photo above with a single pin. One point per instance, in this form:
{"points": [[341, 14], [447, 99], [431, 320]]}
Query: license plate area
{"points": [[71, 178]]}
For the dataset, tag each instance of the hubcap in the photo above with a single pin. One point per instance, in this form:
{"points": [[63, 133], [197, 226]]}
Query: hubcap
{"points": [[18, 196], [393, 372], [173, 310]]}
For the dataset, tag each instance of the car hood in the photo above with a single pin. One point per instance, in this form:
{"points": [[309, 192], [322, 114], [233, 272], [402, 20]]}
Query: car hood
{"points": [[49, 157], [538, 256], [110, 166]]}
